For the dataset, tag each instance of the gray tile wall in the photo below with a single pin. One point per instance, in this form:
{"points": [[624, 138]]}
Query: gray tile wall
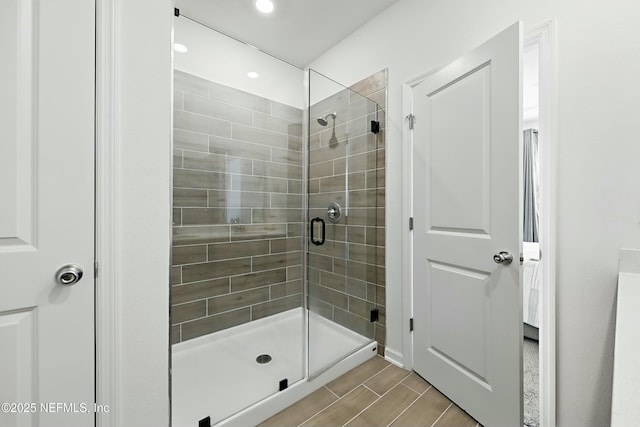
{"points": [[238, 208], [347, 273]]}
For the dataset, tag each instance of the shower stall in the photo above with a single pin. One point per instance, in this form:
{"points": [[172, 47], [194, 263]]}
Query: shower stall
{"points": [[277, 277]]}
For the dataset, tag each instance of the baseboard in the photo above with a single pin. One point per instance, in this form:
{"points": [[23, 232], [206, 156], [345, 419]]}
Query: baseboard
{"points": [[394, 357]]}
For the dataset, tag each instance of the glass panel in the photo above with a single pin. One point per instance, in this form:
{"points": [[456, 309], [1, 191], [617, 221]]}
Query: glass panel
{"points": [[343, 198], [237, 290]]}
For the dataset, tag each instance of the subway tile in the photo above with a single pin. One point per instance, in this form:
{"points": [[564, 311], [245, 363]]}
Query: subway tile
{"points": [[352, 379], [286, 201], [184, 139], [270, 308], [329, 296], [216, 163], [314, 186], [185, 178], [356, 287], [371, 84], [183, 197], [294, 186], [294, 272], [286, 112], [386, 409], [220, 251], [366, 253], [277, 170], [321, 262], [190, 83], [216, 109], [255, 280], [380, 335], [259, 231], [314, 141], [322, 200], [319, 170], [239, 98], [260, 215], [259, 136], [195, 235], [256, 183], [360, 307], [375, 178], [176, 275], [285, 289], [269, 262], [201, 124], [199, 290], [330, 103], [237, 300], [320, 307], [424, 411], [176, 217], [235, 148], [333, 183], [276, 124], [212, 216], [284, 155], [178, 97], [296, 229], [375, 236], [387, 379], [366, 216], [325, 153], [357, 324], [185, 312], [188, 254], [370, 273], [286, 245], [175, 334], [334, 281], [215, 323], [366, 198], [238, 199], [214, 270], [177, 159]]}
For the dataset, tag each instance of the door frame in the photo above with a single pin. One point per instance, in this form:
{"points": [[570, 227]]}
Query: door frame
{"points": [[544, 36]]}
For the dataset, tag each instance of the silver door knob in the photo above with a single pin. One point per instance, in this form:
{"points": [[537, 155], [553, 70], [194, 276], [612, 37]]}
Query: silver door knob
{"points": [[503, 258], [69, 274]]}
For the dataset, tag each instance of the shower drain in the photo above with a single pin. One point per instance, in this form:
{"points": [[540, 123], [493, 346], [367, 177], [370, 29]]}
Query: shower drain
{"points": [[263, 358]]}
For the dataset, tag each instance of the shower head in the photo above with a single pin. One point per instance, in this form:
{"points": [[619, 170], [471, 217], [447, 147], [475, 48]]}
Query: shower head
{"points": [[322, 121]]}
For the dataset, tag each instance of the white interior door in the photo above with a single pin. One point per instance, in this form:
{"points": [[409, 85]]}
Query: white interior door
{"points": [[46, 212], [466, 196]]}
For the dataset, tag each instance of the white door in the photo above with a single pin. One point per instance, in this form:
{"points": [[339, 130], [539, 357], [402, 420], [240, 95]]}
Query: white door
{"points": [[466, 191], [46, 212]]}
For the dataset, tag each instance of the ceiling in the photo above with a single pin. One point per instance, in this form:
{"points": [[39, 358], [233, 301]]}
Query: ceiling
{"points": [[297, 31]]}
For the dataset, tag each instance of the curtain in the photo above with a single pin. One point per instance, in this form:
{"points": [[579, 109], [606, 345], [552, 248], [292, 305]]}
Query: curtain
{"points": [[530, 177]]}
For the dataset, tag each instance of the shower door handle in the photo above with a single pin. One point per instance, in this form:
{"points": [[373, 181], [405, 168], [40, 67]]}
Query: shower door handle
{"points": [[315, 221]]}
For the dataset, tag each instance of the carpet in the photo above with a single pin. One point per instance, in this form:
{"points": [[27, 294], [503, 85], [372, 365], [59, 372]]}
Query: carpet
{"points": [[531, 387]]}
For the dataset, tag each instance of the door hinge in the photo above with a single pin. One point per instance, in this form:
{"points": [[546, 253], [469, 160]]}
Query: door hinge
{"points": [[411, 223], [95, 269], [375, 126], [412, 120], [374, 315], [176, 11], [411, 325]]}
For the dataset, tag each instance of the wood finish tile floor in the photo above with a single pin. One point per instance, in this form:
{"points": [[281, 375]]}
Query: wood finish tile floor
{"points": [[374, 394]]}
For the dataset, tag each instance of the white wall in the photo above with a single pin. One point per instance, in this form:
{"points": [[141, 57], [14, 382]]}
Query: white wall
{"points": [[143, 214], [598, 157], [216, 57]]}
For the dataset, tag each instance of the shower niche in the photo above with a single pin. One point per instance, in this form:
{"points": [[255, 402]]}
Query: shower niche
{"points": [[259, 309]]}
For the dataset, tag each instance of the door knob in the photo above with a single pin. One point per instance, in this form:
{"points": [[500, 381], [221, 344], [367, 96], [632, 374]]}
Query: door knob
{"points": [[503, 258], [69, 274]]}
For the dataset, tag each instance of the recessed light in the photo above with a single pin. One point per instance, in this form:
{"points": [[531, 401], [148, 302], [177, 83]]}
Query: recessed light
{"points": [[179, 47], [264, 6], [253, 75]]}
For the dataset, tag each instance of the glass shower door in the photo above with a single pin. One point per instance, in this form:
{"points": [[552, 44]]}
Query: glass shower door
{"points": [[343, 199]]}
